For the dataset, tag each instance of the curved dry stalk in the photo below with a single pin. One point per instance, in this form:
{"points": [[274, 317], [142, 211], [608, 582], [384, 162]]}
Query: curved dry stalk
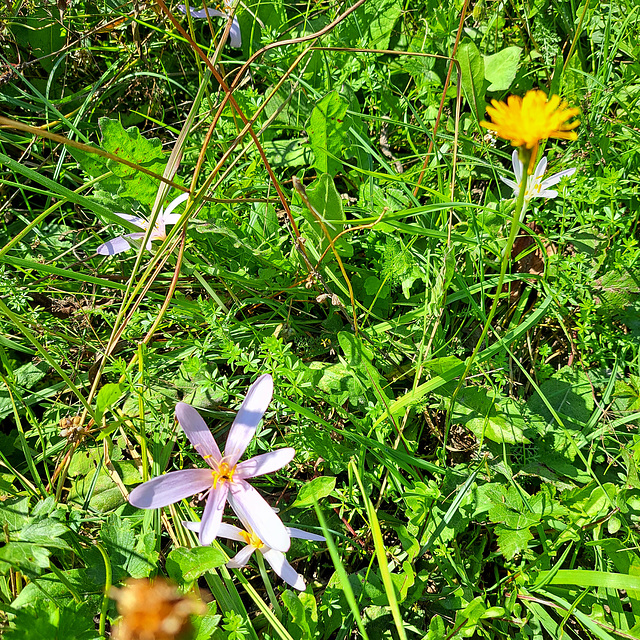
{"points": [[299, 187], [229, 97], [7, 123], [463, 15]]}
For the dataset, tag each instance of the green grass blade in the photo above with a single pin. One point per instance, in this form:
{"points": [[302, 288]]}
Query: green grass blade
{"points": [[381, 555]]}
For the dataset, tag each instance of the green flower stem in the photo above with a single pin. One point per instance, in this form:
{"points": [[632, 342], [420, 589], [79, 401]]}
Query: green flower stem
{"points": [[513, 231], [268, 587], [107, 589]]}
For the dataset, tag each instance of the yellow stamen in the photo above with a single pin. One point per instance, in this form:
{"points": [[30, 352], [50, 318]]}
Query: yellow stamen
{"points": [[252, 539], [224, 473]]}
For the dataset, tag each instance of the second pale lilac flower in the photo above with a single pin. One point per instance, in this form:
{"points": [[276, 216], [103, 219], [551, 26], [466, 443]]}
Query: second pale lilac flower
{"points": [[536, 186], [159, 232], [226, 478], [275, 558], [235, 35]]}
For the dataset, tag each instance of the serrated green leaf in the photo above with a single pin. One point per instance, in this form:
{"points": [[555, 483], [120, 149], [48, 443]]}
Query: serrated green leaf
{"points": [[314, 491], [512, 542], [186, 565], [129, 144]]}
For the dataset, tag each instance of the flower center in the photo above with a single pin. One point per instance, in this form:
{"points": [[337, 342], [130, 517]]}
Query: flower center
{"points": [[223, 473], [252, 539]]}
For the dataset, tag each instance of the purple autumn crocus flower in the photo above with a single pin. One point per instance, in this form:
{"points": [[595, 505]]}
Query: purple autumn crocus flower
{"points": [[253, 542], [120, 244], [536, 186], [235, 35], [226, 478]]}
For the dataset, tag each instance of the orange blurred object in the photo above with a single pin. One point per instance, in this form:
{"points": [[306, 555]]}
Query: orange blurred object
{"points": [[153, 610]]}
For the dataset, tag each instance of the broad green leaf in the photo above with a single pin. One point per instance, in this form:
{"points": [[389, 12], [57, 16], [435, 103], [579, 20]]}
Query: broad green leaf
{"points": [[370, 25], [14, 513], [108, 395], [204, 626], [131, 554], [49, 620], [26, 557], [356, 353], [45, 532], [498, 419], [436, 629], [328, 131], [26, 377], [105, 495], [186, 565], [288, 153], [327, 203], [314, 491], [297, 611], [472, 69], [500, 69], [570, 393], [44, 34]]}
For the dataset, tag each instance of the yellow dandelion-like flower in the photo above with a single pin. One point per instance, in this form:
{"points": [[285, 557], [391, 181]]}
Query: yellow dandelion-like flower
{"points": [[526, 121]]}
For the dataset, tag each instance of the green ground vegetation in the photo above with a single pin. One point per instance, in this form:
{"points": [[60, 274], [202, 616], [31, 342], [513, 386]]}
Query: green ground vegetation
{"points": [[344, 233]]}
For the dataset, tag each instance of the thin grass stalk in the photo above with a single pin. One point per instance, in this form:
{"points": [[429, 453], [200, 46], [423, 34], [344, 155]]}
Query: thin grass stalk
{"points": [[463, 15], [381, 556], [342, 573]]}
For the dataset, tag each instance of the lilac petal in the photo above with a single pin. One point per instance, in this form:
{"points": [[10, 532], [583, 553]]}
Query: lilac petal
{"points": [[541, 168], [170, 488], [235, 35], [212, 516], [228, 531], [198, 433], [113, 247], [265, 463], [248, 417], [510, 183], [139, 236], [258, 516], [134, 220], [241, 558], [280, 565], [304, 535], [171, 218], [202, 13], [556, 177], [517, 165]]}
